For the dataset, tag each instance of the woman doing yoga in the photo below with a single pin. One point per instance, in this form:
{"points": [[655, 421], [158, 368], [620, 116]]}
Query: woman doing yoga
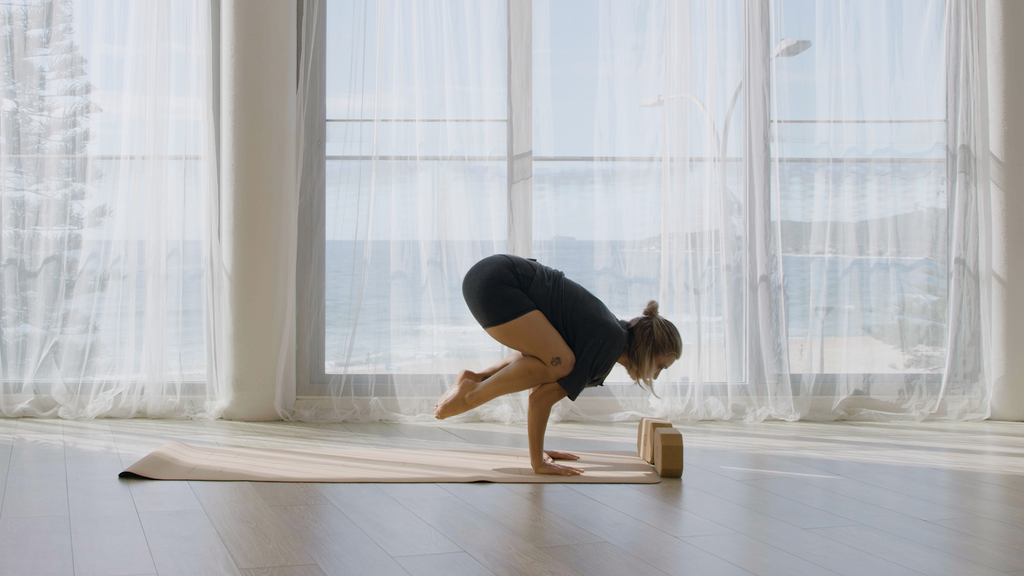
{"points": [[564, 338]]}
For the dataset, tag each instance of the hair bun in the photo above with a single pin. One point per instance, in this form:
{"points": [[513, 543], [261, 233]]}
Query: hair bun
{"points": [[651, 309]]}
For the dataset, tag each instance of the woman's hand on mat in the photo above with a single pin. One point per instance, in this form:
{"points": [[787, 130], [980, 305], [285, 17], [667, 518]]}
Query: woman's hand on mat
{"points": [[550, 455], [550, 467]]}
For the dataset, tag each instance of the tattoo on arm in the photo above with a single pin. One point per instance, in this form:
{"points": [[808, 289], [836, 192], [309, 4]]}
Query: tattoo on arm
{"points": [[556, 361]]}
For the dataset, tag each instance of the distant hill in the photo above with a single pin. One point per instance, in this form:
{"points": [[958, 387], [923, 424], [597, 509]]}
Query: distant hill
{"points": [[920, 234]]}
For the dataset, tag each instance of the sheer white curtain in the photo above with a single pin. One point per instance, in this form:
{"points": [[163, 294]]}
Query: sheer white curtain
{"points": [[415, 194], [876, 151], [106, 153], [796, 181]]}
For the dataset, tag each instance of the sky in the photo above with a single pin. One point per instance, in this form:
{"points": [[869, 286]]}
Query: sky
{"points": [[594, 62], [870, 62]]}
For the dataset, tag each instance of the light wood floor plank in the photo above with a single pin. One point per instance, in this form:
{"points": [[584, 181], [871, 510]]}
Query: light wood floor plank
{"points": [[651, 511], [905, 552], [744, 465], [234, 434], [883, 498], [376, 433], [95, 489], [748, 496], [187, 431], [938, 486], [6, 446], [499, 549], [526, 518], [989, 483], [107, 543], [134, 438], [602, 559], [946, 487], [571, 436], [8, 426], [995, 532], [251, 532], [934, 535], [1009, 481], [50, 428], [287, 435], [336, 544], [933, 497], [184, 542], [838, 557], [451, 564], [162, 496], [311, 570], [106, 534], [661, 550], [36, 546], [392, 526], [290, 494], [756, 557], [37, 480]]}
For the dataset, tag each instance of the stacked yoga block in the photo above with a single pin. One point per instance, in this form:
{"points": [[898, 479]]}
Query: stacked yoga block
{"points": [[662, 445]]}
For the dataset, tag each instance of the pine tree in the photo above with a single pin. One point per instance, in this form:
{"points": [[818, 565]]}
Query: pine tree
{"points": [[44, 134]]}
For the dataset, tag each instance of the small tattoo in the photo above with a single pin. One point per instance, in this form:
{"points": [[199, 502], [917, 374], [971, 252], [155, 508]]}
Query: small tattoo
{"points": [[556, 361]]}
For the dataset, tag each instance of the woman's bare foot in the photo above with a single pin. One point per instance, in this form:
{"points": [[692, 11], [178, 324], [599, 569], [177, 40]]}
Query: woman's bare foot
{"points": [[469, 375], [462, 375], [454, 401]]}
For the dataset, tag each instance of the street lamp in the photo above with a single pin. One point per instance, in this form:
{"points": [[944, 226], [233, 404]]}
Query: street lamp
{"points": [[790, 47], [786, 48], [822, 313]]}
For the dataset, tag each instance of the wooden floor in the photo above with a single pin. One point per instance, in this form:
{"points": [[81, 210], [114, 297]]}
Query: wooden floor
{"points": [[772, 498]]}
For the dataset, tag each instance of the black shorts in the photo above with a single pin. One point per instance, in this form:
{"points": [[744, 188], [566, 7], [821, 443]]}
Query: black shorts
{"points": [[496, 288]]}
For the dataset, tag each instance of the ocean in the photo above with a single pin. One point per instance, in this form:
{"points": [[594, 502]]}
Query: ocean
{"points": [[410, 312]]}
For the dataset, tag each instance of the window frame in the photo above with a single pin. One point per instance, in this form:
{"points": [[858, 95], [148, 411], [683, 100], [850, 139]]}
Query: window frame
{"points": [[312, 377]]}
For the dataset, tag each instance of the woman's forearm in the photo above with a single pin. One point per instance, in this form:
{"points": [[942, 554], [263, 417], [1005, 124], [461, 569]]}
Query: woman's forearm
{"points": [[536, 425], [541, 401]]}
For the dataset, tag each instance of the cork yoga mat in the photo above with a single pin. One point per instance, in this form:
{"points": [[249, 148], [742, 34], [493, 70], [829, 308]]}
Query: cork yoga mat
{"points": [[177, 461]]}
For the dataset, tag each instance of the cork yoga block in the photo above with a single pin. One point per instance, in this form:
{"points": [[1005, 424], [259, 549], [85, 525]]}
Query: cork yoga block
{"points": [[668, 452], [640, 436], [645, 443]]}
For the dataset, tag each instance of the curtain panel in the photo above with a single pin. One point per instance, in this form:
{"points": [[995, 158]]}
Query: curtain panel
{"points": [[108, 171], [801, 184], [795, 181]]}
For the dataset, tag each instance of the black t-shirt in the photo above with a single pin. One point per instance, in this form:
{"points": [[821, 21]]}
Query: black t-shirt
{"points": [[596, 337]]}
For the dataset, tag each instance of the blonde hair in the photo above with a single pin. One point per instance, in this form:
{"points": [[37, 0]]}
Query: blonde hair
{"points": [[650, 336]]}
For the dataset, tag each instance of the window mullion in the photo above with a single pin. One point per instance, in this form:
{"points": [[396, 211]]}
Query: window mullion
{"points": [[519, 128], [311, 267]]}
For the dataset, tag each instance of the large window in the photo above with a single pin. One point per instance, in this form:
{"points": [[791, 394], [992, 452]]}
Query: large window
{"points": [[645, 126], [415, 182], [860, 186], [103, 172]]}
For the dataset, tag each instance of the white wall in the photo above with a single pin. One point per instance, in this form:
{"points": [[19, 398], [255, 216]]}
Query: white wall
{"points": [[258, 91], [1005, 54]]}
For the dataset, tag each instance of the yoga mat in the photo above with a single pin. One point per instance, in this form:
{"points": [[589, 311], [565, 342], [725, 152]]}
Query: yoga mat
{"points": [[177, 461]]}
